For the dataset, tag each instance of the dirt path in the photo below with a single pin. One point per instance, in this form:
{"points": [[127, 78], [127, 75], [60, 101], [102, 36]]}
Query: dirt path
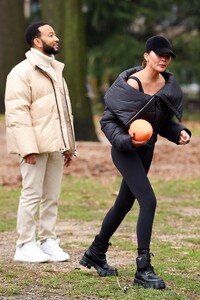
{"points": [[170, 161]]}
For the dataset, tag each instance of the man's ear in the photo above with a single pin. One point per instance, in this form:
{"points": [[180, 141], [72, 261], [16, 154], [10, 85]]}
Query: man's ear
{"points": [[37, 42]]}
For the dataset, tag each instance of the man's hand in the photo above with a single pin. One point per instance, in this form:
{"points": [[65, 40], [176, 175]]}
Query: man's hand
{"points": [[67, 159], [31, 159]]}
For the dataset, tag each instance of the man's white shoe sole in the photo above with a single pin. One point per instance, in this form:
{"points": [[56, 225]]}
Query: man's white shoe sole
{"points": [[23, 258], [56, 259]]}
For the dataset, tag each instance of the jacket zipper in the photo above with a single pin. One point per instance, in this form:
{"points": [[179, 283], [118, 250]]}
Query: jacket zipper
{"points": [[72, 130], [141, 110], [54, 90]]}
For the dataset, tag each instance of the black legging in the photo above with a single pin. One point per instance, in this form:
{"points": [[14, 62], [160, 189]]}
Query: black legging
{"points": [[135, 185]]}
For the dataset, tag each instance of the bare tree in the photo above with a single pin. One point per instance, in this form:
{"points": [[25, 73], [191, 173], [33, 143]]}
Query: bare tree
{"points": [[12, 25], [67, 18]]}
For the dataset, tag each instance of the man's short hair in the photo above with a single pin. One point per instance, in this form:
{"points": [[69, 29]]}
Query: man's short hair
{"points": [[33, 32]]}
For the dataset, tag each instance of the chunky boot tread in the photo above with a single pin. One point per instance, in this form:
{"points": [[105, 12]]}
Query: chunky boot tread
{"points": [[95, 256], [154, 285], [85, 263], [145, 275], [88, 263]]}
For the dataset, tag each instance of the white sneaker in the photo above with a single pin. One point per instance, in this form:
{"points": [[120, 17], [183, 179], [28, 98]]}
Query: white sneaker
{"points": [[52, 248], [30, 252]]}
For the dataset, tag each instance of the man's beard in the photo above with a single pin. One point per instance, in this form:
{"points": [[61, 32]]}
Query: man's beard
{"points": [[48, 49]]}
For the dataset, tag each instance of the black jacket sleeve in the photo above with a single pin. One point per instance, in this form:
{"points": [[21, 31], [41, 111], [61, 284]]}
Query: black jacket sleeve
{"points": [[116, 132], [171, 131]]}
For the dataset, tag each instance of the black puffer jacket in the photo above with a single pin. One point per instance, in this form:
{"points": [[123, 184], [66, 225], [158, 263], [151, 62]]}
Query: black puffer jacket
{"points": [[125, 104]]}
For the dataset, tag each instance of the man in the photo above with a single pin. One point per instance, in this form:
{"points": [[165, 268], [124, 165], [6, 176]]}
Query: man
{"points": [[40, 130]]}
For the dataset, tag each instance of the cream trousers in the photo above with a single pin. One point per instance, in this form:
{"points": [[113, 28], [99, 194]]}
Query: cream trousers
{"points": [[41, 186]]}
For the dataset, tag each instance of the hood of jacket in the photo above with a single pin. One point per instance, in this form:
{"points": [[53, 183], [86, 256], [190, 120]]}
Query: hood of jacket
{"points": [[128, 103]]}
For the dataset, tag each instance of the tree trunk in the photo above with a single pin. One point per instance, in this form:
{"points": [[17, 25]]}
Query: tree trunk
{"points": [[67, 20], [12, 26]]}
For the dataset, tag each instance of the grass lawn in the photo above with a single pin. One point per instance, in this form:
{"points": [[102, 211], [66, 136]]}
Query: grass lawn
{"points": [[83, 202]]}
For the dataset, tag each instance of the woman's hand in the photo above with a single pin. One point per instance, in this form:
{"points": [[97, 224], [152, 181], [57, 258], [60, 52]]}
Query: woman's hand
{"points": [[137, 143], [184, 138]]}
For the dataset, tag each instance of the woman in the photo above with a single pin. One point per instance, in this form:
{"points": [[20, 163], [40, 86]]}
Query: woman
{"points": [[151, 93]]}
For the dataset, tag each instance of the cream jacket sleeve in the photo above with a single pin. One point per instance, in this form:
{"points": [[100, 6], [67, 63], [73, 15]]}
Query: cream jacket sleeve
{"points": [[18, 114]]}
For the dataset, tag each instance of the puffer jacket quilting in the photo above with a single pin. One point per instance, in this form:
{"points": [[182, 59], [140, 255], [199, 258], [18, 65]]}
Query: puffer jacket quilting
{"points": [[35, 118], [124, 104]]}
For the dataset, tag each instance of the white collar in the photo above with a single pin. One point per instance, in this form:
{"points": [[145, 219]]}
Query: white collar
{"points": [[43, 60]]}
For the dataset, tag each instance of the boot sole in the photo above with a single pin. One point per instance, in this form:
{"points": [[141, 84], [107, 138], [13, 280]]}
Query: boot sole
{"points": [[153, 285], [88, 263]]}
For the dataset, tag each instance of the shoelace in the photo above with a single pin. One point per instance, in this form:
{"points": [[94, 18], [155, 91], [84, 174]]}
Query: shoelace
{"points": [[53, 244], [123, 289]]}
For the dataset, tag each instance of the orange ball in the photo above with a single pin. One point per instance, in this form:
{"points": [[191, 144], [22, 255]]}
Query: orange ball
{"points": [[140, 130]]}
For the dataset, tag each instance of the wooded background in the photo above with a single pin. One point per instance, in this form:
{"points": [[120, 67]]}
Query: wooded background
{"points": [[98, 40]]}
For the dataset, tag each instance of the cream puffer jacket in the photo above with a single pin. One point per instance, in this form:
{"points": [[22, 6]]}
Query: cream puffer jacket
{"points": [[36, 109]]}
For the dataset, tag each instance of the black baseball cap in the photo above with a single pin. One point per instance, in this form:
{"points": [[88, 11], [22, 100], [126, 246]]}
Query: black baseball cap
{"points": [[160, 45]]}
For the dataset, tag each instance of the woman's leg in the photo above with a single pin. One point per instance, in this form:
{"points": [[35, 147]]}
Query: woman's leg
{"points": [[116, 214], [133, 166], [134, 169], [95, 254]]}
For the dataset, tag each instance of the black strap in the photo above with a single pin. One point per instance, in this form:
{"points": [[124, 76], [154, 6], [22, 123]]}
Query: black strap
{"points": [[139, 83]]}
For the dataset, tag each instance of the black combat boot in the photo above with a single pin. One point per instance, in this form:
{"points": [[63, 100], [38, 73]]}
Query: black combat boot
{"points": [[95, 257], [145, 275]]}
